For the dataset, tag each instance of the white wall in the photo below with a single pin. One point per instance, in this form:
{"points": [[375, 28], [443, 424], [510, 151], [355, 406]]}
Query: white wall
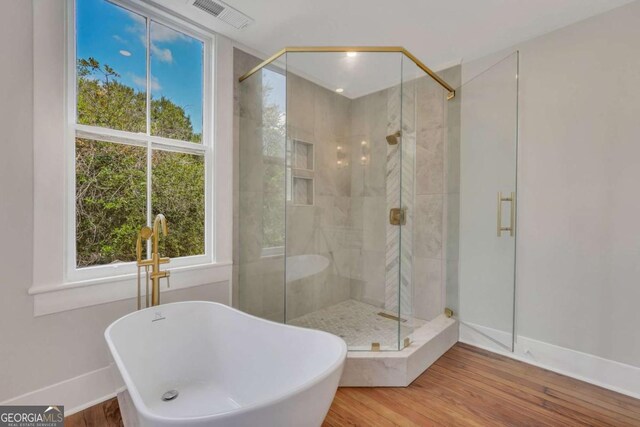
{"points": [[578, 248], [36, 352]]}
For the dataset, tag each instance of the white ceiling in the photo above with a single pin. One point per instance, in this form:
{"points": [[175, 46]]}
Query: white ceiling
{"points": [[441, 33]]}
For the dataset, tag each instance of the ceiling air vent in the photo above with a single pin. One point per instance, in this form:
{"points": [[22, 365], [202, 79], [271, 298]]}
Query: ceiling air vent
{"points": [[224, 12]]}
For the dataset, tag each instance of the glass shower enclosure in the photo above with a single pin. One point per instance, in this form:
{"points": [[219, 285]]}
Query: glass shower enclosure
{"points": [[340, 211]]}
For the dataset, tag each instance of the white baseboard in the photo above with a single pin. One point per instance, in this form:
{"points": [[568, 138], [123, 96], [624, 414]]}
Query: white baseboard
{"points": [[76, 393], [586, 367]]}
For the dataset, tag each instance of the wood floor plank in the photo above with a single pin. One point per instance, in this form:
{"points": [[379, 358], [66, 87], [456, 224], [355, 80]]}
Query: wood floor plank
{"points": [[94, 416], [487, 406], [358, 412], [533, 390], [468, 386], [75, 420], [548, 413], [112, 413], [573, 392], [558, 393], [398, 413], [549, 378], [430, 403]]}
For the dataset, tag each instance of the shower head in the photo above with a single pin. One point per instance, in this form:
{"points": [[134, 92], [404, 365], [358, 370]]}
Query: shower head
{"points": [[393, 139]]}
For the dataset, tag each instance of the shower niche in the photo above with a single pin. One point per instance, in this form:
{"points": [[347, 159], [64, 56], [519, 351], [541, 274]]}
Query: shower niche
{"points": [[302, 173], [302, 155], [331, 141]]}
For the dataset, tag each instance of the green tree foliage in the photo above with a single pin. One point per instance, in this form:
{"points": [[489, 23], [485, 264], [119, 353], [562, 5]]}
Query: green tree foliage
{"points": [[104, 101], [178, 192], [111, 178]]}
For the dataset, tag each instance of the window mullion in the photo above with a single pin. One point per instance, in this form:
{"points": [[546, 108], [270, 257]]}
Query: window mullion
{"points": [[148, 123]]}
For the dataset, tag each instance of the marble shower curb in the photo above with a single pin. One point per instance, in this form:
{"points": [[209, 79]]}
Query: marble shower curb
{"points": [[401, 368]]}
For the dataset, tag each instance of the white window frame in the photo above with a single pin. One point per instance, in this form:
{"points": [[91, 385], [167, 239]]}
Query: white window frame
{"points": [[54, 287], [205, 148]]}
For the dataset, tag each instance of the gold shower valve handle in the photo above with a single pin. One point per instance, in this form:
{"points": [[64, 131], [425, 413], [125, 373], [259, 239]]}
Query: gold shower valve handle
{"points": [[397, 216]]}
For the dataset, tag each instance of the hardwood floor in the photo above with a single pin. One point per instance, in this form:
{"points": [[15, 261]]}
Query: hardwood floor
{"points": [[105, 414], [473, 387], [466, 387]]}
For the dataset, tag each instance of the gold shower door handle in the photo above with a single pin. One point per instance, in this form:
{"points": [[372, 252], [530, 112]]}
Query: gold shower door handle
{"points": [[511, 228]]}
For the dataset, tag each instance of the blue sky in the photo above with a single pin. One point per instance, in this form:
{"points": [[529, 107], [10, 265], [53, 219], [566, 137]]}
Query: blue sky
{"points": [[117, 37]]}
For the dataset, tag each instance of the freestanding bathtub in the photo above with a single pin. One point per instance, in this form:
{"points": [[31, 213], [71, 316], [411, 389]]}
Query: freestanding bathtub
{"points": [[227, 367]]}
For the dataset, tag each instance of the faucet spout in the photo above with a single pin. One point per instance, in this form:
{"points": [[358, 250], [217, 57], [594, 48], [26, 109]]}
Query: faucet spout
{"points": [[160, 221]]}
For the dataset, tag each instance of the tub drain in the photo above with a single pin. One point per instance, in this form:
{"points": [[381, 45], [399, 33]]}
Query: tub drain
{"points": [[170, 395]]}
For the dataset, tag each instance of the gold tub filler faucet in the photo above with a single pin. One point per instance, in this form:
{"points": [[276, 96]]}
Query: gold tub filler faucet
{"points": [[146, 233]]}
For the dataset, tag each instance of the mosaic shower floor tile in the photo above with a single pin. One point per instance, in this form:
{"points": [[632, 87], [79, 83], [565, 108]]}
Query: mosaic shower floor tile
{"points": [[359, 324]]}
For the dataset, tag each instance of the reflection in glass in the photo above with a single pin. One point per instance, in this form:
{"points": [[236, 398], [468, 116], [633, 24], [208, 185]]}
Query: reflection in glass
{"points": [[177, 184], [111, 66], [176, 84], [273, 151], [110, 201], [261, 210]]}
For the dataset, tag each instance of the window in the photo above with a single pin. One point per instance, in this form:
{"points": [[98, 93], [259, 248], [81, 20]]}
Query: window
{"points": [[141, 135], [127, 165]]}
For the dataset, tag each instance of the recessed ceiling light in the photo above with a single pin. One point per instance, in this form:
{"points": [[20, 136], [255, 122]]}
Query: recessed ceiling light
{"points": [[351, 54], [339, 90], [125, 53]]}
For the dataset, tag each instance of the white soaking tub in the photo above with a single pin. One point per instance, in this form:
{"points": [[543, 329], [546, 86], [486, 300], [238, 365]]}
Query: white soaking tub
{"points": [[227, 367]]}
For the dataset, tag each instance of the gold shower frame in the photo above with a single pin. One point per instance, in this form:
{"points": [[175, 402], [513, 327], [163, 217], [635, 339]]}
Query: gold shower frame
{"points": [[311, 49]]}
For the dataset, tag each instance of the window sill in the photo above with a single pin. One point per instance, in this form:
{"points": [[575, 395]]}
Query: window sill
{"points": [[72, 295]]}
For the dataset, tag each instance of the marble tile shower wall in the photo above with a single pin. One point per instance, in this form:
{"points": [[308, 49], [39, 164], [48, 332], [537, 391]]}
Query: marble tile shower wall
{"points": [[368, 129], [437, 198], [430, 208]]}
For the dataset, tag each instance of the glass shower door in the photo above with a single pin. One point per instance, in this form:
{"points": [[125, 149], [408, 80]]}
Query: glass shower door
{"points": [[489, 133]]}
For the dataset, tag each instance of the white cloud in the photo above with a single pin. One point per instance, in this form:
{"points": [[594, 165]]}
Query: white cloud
{"points": [[161, 34], [163, 55], [139, 21], [141, 82]]}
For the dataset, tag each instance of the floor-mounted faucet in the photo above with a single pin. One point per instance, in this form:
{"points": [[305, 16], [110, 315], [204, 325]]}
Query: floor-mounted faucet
{"points": [[146, 233]]}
